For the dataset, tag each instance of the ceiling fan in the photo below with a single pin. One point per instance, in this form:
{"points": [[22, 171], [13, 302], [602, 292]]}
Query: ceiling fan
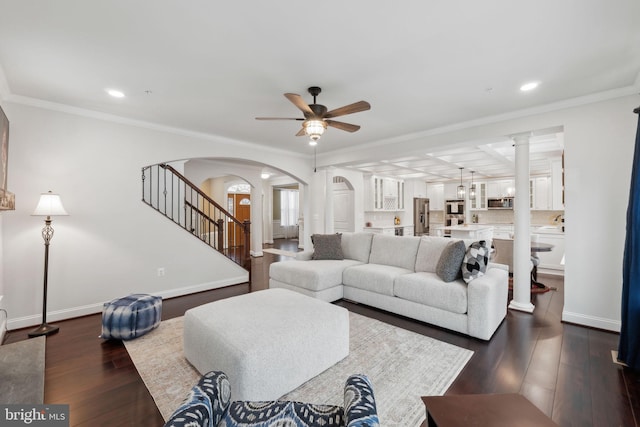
{"points": [[317, 118]]}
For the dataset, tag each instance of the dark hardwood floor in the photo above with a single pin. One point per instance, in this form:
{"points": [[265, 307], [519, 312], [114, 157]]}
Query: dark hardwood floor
{"points": [[564, 369]]}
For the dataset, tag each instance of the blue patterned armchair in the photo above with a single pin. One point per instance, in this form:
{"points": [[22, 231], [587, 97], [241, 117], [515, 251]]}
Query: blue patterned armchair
{"points": [[209, 405]]}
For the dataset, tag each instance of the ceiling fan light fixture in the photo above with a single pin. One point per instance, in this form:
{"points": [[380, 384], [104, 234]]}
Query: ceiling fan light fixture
{"points": [[314, 128]]}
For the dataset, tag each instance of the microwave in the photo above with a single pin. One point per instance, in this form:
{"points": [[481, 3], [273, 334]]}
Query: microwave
{"points": [[500, 203]]}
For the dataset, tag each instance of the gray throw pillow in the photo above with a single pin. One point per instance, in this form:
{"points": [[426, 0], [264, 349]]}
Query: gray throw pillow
{"points": [[475, 261], [448, 267], [327, 246]]}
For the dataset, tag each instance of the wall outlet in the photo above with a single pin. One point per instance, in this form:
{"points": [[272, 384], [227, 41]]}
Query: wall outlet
{"points": [[160, 271]]}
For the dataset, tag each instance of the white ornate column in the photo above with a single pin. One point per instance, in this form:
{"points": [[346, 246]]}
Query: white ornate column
{"points": [[328, 201], [522, 224]]}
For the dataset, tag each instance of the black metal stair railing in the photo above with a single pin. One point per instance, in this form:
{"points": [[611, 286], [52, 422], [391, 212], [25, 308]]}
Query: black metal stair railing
{"points": [[167, 191]]}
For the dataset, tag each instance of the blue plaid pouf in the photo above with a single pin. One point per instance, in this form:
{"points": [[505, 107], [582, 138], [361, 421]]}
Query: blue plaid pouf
{"points": [[130, 317]]}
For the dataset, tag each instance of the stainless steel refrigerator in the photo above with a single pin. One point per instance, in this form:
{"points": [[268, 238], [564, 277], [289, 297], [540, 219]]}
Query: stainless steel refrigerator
{"points": [[420, 216]]}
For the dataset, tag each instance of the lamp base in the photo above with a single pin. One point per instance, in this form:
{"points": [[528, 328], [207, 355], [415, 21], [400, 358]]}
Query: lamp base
{"points": [[44, 329]]}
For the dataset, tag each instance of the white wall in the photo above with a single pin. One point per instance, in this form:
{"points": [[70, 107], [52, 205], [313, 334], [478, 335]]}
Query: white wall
{"points": [[112, 243], [599, 143]]}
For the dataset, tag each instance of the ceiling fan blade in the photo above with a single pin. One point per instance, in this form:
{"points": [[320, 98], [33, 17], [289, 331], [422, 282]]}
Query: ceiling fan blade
{"points": [[278, 118], [299, 102], [300, 132], [356, 107], [342, 125]]}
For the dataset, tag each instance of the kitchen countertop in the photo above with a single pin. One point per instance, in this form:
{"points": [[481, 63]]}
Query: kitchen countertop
{"points": [[535, 228], [469, 227], [379, 227]]}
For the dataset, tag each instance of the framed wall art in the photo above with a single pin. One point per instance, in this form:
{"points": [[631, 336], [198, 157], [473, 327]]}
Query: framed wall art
{"points": [[7, 199]]}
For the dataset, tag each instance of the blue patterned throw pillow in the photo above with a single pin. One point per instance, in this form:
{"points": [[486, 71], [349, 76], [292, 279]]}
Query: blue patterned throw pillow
{"points": [[207, 403], [475, 261]]}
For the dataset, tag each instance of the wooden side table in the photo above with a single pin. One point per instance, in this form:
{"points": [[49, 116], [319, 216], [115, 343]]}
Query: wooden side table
{"points": [[480, 410]]}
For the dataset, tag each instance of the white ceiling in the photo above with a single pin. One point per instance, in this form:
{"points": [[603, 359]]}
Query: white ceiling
{"points": [[212, 67]]}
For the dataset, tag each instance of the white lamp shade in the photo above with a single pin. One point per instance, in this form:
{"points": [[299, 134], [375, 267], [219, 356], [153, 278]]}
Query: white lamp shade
{"points": [[49, 204]]}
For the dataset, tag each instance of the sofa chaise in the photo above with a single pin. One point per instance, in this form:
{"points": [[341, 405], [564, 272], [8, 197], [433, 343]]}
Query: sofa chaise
{"points": [[417, 277]]}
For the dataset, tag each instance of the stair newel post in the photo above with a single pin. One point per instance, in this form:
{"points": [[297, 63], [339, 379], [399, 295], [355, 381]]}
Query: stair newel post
{"points": [[221, 234], [247, 247]]}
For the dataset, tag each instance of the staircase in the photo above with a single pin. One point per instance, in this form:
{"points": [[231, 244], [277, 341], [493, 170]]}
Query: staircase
{"points": [[167, 191]]}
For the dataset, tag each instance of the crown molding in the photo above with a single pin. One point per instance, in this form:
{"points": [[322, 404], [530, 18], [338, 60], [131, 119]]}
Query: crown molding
{"points": [[83, 112], [560, 105], [555, 106]]}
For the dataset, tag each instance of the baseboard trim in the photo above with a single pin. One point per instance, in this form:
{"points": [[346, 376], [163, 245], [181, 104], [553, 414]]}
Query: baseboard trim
{"points": [[591, 321], [70, 313]]}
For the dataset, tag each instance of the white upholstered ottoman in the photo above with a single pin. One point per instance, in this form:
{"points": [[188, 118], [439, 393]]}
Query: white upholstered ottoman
{"points": [[267, 342]]}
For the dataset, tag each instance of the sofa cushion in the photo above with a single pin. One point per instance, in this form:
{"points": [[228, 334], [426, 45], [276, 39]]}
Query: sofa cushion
{"points": [[395, 251], [327, 246], [357, 246], [311, 275], [373, 277], [475, 261], [429, 289], [429, 252], [448, 268]]}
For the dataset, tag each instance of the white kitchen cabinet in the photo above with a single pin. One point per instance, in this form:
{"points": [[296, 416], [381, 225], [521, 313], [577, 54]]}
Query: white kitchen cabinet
{"points": [[435, 193], [552, 262], [503, 231], [415, 188], [539, 193], [557, 186], [384, 194], [501, 188], [479, 202], [451, 190]]}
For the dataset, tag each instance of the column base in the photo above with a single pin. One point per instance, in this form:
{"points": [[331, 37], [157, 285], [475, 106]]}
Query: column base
{"points": [[526, 307]]}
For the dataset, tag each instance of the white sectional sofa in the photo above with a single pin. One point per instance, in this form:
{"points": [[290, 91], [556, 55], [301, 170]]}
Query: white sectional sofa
{"points": [[398, 274]]}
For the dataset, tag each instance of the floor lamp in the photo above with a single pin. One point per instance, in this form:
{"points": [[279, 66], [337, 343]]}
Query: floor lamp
{"points": [[49, 205]]}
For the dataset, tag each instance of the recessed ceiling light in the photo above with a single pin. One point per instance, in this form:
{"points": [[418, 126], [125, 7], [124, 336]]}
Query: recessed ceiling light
{"points": [[115, 93], [265, 175], [529, 86]]}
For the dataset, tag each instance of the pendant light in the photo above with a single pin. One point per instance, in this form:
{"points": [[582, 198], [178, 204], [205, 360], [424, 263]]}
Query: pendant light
{"points": [[472, 189], [461, 189]]}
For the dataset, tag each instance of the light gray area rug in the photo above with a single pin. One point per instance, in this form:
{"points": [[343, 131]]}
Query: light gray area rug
{"points": [[402, 366], [22, 372]]}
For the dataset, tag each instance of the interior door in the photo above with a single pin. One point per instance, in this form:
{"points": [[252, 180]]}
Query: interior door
{"points": [[343, 207], [242, 212]]}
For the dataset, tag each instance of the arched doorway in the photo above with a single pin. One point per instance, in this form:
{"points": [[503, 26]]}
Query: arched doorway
{"points": [[238, 205]]}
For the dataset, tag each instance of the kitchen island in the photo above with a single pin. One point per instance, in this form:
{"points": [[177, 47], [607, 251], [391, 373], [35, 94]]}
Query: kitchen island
{"points": [[398, 230], [471, 231]]}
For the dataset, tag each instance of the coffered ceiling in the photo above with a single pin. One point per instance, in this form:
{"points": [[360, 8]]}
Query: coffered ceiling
{"points": [[490, 160], [209, 68]]}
